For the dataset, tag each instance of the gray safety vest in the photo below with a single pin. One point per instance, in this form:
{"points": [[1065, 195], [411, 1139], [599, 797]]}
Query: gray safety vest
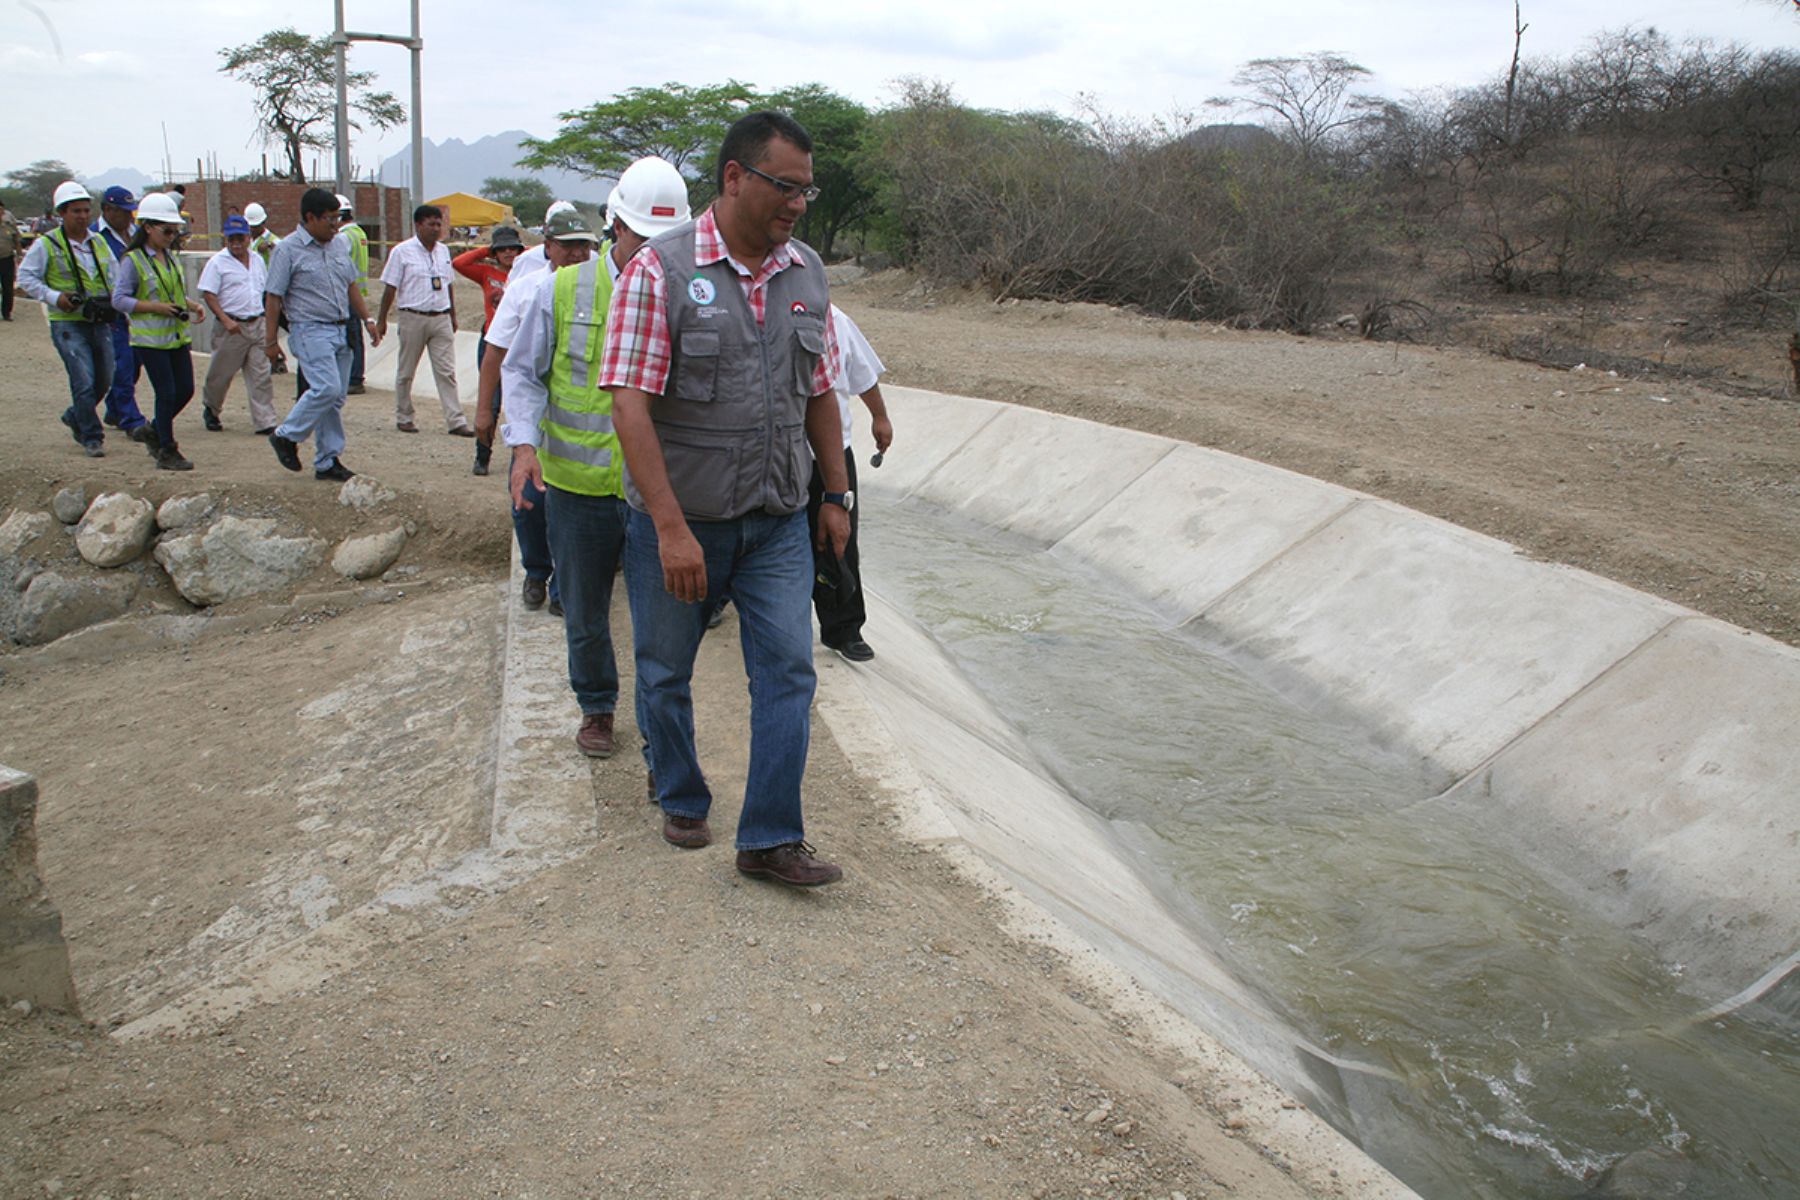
{"points": [[732, 417]]}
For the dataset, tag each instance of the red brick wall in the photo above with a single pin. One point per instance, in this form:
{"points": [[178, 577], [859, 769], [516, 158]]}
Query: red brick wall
{"points": [[381, 211]]}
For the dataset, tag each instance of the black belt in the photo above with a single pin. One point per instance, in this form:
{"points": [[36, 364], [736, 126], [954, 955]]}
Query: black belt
{"points": [[419, 312], [241, 320]]}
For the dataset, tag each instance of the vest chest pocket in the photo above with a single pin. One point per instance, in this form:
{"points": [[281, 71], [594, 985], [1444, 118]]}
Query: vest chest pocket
{"points": [[809, 348], [697, 366]]}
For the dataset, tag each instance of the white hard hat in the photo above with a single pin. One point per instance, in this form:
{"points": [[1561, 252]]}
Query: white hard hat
{"points": [[67, 191], [344, 204], [651, 197], [558, 206], [160, 206], [254, 214]]}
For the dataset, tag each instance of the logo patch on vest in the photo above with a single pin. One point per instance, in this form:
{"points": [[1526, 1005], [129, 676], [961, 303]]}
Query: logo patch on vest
{"points": [[797, 308], [701, 289]]}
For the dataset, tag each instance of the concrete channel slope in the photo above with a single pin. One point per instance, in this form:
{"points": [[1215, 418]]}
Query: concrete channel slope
{"points": [[1644, 755]]}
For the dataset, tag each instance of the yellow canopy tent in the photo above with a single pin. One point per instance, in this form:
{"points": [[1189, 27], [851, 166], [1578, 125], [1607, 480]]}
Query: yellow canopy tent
{"points": [[464, 209]]}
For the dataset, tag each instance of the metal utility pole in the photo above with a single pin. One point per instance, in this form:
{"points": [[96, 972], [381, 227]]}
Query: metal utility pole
{"points": [[340, 41]]}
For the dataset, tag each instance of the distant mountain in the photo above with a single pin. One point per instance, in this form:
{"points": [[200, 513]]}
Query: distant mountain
{"points": [[454, 165], [137, 181], [1229, 137]]}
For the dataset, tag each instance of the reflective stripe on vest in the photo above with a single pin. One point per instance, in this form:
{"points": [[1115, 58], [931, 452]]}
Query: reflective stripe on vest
{"points": [[65, 273], [163, 284], [580, 451]]}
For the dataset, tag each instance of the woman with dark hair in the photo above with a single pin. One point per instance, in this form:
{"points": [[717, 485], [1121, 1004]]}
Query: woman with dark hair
{"points": [[149, 287]]}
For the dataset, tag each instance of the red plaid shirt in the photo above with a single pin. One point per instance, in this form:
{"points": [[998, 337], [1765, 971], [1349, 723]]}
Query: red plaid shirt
{"points": [[637, 348]]}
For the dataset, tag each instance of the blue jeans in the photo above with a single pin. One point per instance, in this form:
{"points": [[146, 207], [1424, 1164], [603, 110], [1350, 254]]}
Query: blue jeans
{"points": [[322, 353], [171, 374], [587, 538], [121, 398], [87, 355], [532, 527], [765, 562]]}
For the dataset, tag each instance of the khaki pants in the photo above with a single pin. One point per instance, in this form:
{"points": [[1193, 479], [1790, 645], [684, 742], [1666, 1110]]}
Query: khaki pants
{"points": [[432, 335], [243, 351]]}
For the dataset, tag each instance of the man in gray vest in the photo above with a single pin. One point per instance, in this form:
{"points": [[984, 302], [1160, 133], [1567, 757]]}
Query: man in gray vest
{"points": [[720, 356]]}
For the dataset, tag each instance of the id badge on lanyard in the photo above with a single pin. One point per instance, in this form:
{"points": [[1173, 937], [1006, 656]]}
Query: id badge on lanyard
{"points": [[437, 283]]}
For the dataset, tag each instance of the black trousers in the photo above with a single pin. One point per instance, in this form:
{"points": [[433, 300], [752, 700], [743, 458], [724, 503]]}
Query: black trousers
{"points": [[841, 611], [7, 267]]}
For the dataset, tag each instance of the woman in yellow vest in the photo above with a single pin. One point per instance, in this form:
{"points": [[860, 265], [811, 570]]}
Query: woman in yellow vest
{"points": [[149, 286]]}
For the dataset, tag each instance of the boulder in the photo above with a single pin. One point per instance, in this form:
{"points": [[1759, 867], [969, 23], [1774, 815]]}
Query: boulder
{"points": [[21, 527], [368, 556], [57, 603], [117, 528], [185, 512], [236, 557], [363, 493], [69, 504]]}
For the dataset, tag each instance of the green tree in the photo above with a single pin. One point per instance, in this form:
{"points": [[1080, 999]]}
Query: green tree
{"points": [[676, 122], [294, 79], [837, 125], [528, 197], [29, 189]]}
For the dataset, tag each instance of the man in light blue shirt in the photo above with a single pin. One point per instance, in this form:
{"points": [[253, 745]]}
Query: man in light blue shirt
{"points": [[312, 278]]}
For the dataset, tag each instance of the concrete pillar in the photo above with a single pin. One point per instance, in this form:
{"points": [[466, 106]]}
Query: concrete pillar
{"points": [[34, 960]]}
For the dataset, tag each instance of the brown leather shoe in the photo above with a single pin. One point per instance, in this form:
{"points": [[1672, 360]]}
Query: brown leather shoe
{"points": [[689, 833], [595, 737], [792, 864]]}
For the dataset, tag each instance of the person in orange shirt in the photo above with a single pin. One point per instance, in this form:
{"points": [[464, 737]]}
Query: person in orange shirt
{"points": [[489, 266]]}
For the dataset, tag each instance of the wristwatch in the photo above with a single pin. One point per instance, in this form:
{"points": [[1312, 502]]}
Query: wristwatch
{"points": [[844, 500]]}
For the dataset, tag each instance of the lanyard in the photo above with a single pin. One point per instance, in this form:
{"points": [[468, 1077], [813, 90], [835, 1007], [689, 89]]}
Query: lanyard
{"points": [[170, 282]]}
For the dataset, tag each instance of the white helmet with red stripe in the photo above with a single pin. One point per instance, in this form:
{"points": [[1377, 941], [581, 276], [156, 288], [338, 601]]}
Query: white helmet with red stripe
{"points": [[651, 197]]}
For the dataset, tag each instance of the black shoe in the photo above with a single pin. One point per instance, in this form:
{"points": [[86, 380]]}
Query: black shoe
{"points": [[94, 449], [532, 593], [142, 433], [554, 608], [287, 452], [480, 468], [855, 650], [336, 471], [355, 389], [169, 458], [68, 419], [210, 419], [265, 431]]}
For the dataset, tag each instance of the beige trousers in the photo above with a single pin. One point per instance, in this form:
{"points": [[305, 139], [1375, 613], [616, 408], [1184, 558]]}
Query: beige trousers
{"points": [[433, 336], [241, 351]]}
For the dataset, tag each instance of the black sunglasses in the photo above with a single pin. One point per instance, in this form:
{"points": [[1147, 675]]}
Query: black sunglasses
{"points": [[786, 189]]}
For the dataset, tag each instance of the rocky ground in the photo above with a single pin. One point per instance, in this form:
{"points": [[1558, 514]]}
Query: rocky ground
{"points": [[638, 1021]]}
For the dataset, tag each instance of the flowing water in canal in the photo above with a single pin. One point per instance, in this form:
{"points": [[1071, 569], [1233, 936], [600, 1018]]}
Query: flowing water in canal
{"points": [[1522, 1045]]}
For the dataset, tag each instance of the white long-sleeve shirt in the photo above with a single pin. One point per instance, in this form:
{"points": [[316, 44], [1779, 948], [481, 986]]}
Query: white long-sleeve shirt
{"points": [[530, 353]]}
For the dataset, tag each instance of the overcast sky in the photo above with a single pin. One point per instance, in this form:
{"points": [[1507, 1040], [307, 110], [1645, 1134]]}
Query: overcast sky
{"points": [[104, 77]]}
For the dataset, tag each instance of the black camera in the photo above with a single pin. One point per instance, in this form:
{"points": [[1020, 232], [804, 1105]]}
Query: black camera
{"points": [[98, 309]]}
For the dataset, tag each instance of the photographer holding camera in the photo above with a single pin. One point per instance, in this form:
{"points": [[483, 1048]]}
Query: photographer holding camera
{"points": [[71, 272]]}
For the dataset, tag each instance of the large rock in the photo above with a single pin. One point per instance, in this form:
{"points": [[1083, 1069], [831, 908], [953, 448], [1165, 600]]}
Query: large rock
{"points": [[184, 512], [363, 493], [117, 528], [368, 556], [69, 504], [236, 557], [34, 960], [57, 603], [21, 527]]}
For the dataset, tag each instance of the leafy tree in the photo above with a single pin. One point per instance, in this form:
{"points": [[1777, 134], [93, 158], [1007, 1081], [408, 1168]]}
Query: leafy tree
{"points": [[1308, 96], [29, 189], [294, 78], [528, 197], [836, 124], [677, 122]]}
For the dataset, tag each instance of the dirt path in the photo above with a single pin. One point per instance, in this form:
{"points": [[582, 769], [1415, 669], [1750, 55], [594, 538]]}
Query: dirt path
{"points": [[635, 1022], [1685, 492]]}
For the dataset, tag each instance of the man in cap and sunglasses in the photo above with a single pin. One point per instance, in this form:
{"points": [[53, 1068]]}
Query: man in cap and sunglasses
{"points": [[559, 423]]}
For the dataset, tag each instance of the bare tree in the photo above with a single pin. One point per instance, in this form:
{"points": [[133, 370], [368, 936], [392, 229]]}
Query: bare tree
{"points": [[1512, 74], [1309, 97]]}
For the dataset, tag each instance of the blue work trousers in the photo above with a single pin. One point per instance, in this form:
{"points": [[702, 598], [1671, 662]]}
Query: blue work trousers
{"points": [[765, 563], [322, 353], [121, 397], [587, 538], [87, 356]]}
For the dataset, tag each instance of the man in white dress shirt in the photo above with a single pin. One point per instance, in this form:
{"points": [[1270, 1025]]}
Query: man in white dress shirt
{"points": [[418, 274], [231, 284]]}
